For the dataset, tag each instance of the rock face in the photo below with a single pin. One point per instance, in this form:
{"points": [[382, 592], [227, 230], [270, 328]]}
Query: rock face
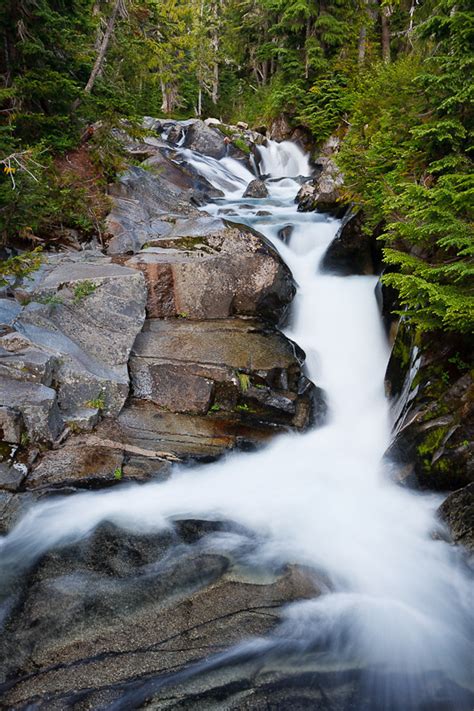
{"points": [[352, 251], [64, 356], [256, 189], [205, 269], [323, 192], [146, 202], [457, 511], [229, 365], [432, 390], [109, 592], [210, 141]]}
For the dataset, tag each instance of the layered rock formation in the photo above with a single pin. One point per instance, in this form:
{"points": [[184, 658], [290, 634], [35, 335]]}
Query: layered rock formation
{"points": [[93, 394]]}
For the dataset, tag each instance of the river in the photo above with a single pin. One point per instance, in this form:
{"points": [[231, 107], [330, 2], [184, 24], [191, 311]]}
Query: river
{"points": [[397, 599]]}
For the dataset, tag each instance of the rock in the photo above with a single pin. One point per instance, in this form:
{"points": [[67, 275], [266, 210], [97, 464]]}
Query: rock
{"points": [[37, 405], [352, 251], [234, 365], [130, 603], [214, 271], [12, 471], [457, 511], [83, 419], [242, 125], [151, 436], [323, 192], [152, 124], [285, 233], [432, 399], [13, 505], [76, 465], [144, 202], [207, 140], [9, 311], [256, 189], [280, 128], [30, 364], [90, 313], [11, 425]]}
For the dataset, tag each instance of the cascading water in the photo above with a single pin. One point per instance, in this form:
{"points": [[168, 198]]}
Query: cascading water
{"points": [[399, 602]]}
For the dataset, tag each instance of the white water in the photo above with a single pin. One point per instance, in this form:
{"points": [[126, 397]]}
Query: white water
{"points": [[401, 600]]}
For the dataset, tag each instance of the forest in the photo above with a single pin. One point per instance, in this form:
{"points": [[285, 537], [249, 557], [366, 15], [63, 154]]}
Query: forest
{"points": [[392, 78]]}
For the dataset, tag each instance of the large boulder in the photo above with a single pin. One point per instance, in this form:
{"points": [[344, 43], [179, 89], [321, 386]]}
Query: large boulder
{"points": [[431, 390], [205, 269], [353, 250], [207, 140], [74, 333], [256, 189], [229, 365], [128, 602], [324, 191], [457, 511], [147, 201]]}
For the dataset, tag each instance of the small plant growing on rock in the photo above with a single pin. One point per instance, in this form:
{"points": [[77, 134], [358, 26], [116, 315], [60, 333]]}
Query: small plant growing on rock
{"points": [[215, 407], [97, 403], [244, 381], [83, 289], [244, 408], [50, 300], [118, 473]]}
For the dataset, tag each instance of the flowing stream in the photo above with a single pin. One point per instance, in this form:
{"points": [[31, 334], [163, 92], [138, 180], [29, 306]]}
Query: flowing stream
{"points": [[399, 600]]}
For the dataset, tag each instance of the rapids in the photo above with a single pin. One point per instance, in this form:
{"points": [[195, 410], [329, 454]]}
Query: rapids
{"points": [[398, 600]]}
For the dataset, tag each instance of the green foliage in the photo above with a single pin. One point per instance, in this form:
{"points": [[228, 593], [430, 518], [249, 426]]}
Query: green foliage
{"points": [[83, 289], [97, 403], [406, 159], [118, 473], [244, 381], [19, 266]]}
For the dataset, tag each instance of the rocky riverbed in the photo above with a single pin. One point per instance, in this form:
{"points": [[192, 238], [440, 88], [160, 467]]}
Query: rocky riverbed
{"points": [[162, 348]]}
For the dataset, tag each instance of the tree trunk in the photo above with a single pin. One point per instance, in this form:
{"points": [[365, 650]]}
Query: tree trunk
{"points": [[99, 62], [384, 15], [170, 98]]}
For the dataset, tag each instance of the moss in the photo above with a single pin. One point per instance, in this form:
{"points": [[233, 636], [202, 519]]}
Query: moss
{"points": [[241, 145], [433, 441]]}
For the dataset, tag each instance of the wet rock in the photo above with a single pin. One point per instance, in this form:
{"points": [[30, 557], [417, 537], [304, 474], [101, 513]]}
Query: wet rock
{"points": [[206, 269], [285, 233], [431, 391], [76, 464], [207, 140], [457, 511], [323, 192], [256, 189], [235, 365], [125, 607], [352, 251], [153, 436]]}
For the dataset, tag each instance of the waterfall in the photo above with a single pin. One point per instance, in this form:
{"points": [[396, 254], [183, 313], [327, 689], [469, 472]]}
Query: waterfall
{"points": [[399, 600], [285, 159]]}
